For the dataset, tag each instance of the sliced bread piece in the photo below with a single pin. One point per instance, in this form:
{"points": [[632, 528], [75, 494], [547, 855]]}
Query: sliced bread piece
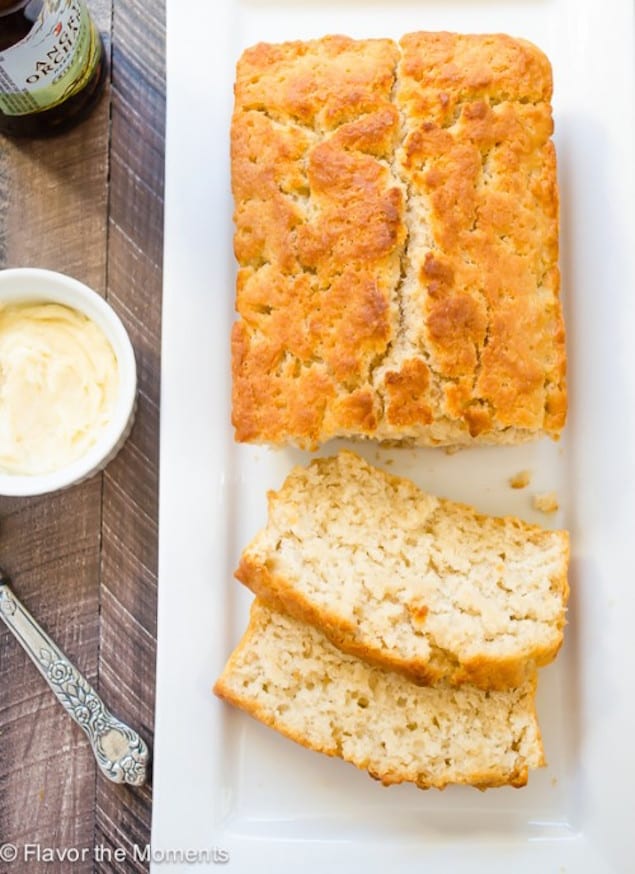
{"points": [[289, 676], [409, 581]]}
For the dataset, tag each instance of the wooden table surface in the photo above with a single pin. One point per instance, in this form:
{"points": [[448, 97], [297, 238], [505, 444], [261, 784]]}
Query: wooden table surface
{"points": [[84, 561]]}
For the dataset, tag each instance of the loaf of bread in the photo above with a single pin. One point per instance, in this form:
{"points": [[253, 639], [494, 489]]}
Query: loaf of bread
{"points": [[409, 581], [396, 230], [289, 676]]}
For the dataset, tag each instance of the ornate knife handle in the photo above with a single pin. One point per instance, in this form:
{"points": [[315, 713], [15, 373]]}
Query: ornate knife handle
{"points": [[120, 753]]}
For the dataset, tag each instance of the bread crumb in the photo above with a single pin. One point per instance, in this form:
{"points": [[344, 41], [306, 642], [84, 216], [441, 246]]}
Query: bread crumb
{"points": [[546, 502], [520, 480], [452, 450]]}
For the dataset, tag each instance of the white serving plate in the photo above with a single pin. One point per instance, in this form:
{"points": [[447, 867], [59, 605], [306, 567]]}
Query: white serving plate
{"points": [[221, 780]]}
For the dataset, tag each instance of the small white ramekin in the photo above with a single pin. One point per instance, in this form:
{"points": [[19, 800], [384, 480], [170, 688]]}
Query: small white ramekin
{"points": [[45, 286]]}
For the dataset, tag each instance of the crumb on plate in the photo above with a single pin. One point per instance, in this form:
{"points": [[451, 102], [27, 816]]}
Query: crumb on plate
{"points": [[546, 502], [520, 480]]}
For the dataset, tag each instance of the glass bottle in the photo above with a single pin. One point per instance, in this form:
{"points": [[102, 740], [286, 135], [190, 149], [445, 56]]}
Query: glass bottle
{"points": [[52, 65]]}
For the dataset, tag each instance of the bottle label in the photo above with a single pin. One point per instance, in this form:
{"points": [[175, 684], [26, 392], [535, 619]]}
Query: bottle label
{"points": [[53, 62]]}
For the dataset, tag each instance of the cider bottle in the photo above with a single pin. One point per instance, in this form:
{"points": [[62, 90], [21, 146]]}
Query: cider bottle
{"points": [[52, 65]]}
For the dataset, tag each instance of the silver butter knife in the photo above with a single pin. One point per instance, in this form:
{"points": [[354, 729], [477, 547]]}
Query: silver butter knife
{"points": [[120, 752]]}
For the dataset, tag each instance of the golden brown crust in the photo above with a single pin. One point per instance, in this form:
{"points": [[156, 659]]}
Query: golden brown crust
{"points": [[397, 235], [319, 230]]}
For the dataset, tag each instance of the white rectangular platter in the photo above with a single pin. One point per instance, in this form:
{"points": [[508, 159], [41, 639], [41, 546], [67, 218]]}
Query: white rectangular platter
{"points": [[225, 785]]}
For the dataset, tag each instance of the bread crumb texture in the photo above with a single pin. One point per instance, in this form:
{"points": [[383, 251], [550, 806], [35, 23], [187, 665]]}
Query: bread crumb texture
{"points": [[410, 581], [546, 502], [290, 677], [396, 229]]}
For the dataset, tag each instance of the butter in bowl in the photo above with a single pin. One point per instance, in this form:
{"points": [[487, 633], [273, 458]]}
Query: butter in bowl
{"points": [[68, 382]]}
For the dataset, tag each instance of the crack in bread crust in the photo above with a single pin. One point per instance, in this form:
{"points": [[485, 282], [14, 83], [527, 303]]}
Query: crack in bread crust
{"points": [[396, 213]]}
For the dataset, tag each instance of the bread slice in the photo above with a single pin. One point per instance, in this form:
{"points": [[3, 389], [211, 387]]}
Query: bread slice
{"points": [[289, 676], [396, 214], [407, 580]]}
